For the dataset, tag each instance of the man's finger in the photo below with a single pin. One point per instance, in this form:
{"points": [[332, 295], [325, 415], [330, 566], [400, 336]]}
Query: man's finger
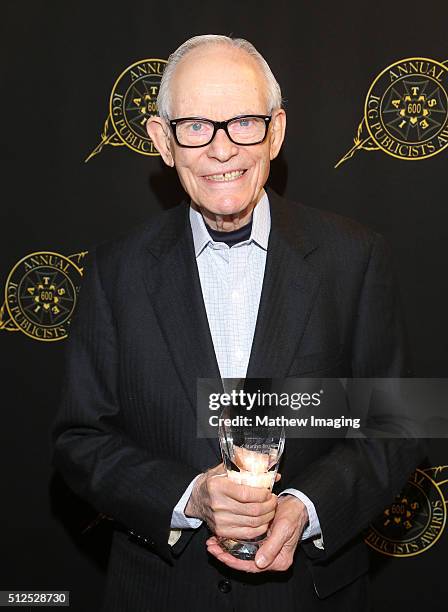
{"points": [[244, 493], [218, 470], [228, 518], [215, 549], [253, 508], [272, 546], [236, 532]]}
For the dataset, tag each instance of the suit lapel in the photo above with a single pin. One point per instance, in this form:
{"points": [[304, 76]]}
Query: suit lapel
{"points": [[289, 291], [173, 284]]}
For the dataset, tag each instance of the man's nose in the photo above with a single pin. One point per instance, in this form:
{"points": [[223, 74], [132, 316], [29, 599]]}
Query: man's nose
{"points": [[221, 147]]}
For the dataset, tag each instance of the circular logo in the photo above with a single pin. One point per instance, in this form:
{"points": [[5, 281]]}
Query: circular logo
{"points": [[413, 522], [40, 295], [406, 109], [133, 100]]}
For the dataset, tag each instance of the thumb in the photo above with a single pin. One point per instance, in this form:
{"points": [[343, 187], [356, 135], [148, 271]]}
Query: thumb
{"points": [[218, 470], [272, 546]]}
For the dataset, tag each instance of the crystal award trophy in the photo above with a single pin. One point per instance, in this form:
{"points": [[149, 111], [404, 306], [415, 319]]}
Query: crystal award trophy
{"points": [[251, 455]]}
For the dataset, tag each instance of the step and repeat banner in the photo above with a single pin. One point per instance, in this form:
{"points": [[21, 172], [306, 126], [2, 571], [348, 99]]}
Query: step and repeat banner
{"points": [[366, 94]]}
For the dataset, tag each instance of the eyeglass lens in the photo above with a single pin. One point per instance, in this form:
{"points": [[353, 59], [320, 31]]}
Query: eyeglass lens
{"points": [[195, 132]]}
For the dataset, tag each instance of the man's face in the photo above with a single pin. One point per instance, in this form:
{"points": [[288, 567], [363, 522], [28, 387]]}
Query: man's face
{"points": [[218, 83]]}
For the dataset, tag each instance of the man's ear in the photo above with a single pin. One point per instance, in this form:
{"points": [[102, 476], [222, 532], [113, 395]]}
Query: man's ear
{"points": [[278, 128], [158, 131]]}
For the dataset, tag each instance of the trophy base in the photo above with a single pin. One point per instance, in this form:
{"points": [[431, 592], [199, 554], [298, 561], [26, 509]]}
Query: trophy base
{"points": [[242, 549]]}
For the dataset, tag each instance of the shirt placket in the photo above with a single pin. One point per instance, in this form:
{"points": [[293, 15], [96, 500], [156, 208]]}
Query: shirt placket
{"points": [[238, 312]]}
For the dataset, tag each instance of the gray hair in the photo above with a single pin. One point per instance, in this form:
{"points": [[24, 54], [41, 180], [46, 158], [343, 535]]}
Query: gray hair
{"points": [[274, 94]]}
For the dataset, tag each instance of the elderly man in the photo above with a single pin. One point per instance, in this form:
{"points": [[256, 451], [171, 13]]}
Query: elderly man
{"points": [[238, 283]]}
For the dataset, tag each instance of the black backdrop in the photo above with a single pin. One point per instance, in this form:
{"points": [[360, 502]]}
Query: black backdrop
{"points": [[59, 63]]}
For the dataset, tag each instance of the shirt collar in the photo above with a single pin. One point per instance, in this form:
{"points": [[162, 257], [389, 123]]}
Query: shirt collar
{"points": [[261, 226]]}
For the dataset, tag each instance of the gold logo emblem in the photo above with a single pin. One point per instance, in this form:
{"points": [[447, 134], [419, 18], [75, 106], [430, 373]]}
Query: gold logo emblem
{"points": [[405, 111], [133, 99], [40, 295], [415, 521]]}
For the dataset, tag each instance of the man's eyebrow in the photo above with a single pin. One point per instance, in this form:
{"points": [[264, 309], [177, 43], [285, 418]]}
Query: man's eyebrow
{"points": [[249, 112], [246, 112]]}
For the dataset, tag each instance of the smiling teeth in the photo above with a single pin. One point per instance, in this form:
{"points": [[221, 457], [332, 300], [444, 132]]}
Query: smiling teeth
{"points": [[228, 176]]}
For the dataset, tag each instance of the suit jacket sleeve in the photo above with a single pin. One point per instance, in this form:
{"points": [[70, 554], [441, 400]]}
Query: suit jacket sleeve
{"points": [[96, 458], [352, 484]]}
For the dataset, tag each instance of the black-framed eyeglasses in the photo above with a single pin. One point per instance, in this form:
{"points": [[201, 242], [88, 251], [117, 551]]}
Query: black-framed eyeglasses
{"points": [[247, 130]]}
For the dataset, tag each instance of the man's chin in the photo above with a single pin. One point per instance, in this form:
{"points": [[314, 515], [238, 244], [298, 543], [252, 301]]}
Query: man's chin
{"points": [[226, 207]]}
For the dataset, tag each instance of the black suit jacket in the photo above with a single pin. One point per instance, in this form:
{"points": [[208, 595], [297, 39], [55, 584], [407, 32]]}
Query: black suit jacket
{"points": [[125, 435]]}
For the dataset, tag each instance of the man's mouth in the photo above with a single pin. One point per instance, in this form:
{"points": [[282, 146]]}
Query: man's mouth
{"points": [[226, 176]]}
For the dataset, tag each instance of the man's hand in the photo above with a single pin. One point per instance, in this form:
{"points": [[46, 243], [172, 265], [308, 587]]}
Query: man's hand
{"points": [[277, 551], [231, 510]]}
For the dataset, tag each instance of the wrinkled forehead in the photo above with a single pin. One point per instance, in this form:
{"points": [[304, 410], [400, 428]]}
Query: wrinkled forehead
{"points": [[218, 82]]}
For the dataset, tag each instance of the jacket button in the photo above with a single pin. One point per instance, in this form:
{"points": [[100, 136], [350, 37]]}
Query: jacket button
{"points": [[224, 586]]}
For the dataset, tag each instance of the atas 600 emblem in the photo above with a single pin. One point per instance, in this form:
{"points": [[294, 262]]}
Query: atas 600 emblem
{"points": [[40, 295], [133, 99], [415, 521], [405, 111]]}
